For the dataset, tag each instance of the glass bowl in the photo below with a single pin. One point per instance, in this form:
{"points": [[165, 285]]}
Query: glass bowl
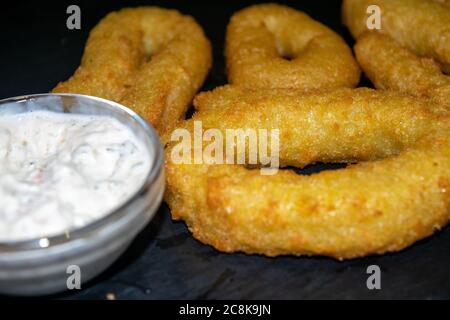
{"points": [[50, 265]]}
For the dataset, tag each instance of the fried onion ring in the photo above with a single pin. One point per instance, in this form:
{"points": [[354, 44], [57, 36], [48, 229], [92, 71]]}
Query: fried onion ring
{"points": [[422, 26], [150, 59], [260, 38], [390, 66], [372, 207]]}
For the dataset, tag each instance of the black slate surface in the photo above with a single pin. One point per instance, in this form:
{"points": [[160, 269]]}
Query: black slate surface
{"points": [[37, 51]]}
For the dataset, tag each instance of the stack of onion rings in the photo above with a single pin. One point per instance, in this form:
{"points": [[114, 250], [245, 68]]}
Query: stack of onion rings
{"points": [[401, 195], [372, 207], [154, 60]]}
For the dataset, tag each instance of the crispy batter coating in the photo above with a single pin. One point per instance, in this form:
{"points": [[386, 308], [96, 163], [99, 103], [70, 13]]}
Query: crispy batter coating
{"points": [[422, 26], [260, 38], [444, 2], [390, 66], [150, 59], [374, 207]]}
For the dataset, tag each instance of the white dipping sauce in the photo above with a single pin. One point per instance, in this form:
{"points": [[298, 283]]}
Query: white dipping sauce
{"points": [[61, 171]]}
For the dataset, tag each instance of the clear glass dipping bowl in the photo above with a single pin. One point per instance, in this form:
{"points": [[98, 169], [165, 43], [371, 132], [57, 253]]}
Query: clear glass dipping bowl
{"points": [[43, 266]]}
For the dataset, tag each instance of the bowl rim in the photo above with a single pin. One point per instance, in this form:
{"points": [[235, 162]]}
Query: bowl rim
{"points": [[113, 215]]}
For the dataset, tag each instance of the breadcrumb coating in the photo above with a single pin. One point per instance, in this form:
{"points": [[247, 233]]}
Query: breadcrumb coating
{"points": [[150, 59], [274, 46]]}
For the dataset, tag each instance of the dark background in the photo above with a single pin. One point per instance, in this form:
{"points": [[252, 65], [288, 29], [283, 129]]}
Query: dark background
{"points": [[165, 262]]}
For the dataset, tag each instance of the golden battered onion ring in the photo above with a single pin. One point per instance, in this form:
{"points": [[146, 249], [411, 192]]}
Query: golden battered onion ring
{"points": [[390, 66], [259, 37], [152, 60], [369, 208], [422, 26]]}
